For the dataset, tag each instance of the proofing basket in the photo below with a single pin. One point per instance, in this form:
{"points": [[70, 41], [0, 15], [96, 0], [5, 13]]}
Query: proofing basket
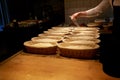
{"points": [[78, 53], [39, 50]]}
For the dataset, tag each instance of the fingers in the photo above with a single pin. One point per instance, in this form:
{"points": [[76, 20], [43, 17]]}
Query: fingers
{"points": [[78, 14], [74, 16], [74, 20]]}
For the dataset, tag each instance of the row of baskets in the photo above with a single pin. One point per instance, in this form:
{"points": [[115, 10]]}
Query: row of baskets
{"points": [[77, 42]]}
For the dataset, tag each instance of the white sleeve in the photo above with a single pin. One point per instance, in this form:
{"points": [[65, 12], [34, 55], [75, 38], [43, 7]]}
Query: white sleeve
{"points": [[99, 8]]}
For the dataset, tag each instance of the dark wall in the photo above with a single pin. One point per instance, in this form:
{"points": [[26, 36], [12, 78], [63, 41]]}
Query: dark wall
{"points": [[56, 7], [24, 9], [18, 9], [12, 38]]}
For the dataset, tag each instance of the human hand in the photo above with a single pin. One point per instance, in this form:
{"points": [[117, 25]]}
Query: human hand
{"points": [[78, 14]]}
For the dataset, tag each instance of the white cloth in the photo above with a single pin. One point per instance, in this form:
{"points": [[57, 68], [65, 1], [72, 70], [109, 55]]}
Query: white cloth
{"points": [[103, 5]]}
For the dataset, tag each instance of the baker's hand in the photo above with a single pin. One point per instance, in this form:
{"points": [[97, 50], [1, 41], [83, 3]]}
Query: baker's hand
{"points": [[78, 14]]}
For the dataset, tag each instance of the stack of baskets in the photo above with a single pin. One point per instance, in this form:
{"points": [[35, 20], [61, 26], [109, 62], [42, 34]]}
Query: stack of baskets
{"points": [[75, 42]]}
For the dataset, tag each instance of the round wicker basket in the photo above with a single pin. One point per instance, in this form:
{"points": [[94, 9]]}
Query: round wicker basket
{"points": [[93, 24], [57, 31], [82, 41], [40, 48], [86, 35], [44, 40], [82, 37], [99, 21], [88, 38], [78, 51], [86, 29], [64, 28], [50, 36]]}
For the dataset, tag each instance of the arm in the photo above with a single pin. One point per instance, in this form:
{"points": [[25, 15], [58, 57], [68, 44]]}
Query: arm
{"points": [[92, 12], [98, 9]]}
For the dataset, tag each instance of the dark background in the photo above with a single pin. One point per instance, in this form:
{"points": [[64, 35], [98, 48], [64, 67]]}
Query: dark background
{"points": [[12, 38], [26, 9]]}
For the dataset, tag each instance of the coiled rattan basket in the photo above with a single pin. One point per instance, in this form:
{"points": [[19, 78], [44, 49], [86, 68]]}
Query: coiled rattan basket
{"points": [[78, 51], [40, 48]]}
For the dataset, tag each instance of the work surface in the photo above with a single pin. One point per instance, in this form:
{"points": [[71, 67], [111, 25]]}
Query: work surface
{"points": [[26, 66]]}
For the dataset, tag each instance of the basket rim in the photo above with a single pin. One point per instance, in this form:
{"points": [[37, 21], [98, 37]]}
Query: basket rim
{"points": [[63, 47], [90, 40], [27, 44]]}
